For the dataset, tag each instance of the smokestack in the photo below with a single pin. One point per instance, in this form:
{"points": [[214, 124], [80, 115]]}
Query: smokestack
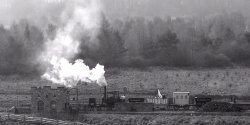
{"points": [[105, 94]]}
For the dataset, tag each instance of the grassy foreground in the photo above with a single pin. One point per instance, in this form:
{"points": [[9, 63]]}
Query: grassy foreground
{"points": [[111, 119]]}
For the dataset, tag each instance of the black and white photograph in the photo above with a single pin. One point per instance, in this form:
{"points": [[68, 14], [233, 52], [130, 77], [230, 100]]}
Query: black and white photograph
{"points": [[124, 62]]}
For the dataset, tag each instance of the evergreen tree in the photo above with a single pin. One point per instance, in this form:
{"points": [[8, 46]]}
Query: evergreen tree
{"points": [[111, 46]]}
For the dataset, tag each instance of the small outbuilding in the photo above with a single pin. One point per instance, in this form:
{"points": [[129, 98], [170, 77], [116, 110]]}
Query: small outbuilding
{"points": [[181, 98]]}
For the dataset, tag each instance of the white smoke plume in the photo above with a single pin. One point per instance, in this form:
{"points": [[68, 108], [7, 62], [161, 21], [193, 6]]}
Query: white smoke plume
{"points": [[80, 16]]}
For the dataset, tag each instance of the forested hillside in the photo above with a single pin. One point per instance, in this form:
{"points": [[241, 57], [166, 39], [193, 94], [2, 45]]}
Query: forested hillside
{"points": [[221, 40]]}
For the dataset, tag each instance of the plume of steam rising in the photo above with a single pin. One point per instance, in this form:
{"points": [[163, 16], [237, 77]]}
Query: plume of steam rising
{"points": [[68, 74], [86, 15]]}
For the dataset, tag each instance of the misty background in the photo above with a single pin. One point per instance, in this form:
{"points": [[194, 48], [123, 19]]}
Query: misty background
{"points": [[133, 33]]}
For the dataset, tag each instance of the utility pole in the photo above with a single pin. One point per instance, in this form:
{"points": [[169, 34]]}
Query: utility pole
{"points": [[17, 98]]}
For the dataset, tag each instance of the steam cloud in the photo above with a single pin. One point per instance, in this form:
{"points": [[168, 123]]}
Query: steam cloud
{"points": [[79, 17]]}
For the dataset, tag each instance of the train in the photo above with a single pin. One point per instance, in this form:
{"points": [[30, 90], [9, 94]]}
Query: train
{"points": [[113, 101]]}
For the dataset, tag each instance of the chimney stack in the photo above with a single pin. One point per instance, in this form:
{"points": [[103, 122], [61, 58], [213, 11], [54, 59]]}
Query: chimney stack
{"points": [[105, 94]]}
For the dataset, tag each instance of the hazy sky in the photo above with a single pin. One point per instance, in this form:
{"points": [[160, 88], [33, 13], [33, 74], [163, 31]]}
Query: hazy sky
{"points": [[174, 7], [43, 11]]}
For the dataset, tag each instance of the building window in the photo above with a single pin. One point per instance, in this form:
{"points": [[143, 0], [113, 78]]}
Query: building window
{"points": [[66, 105], [53, 105], [186, 97], [40, 106], [177, 97], [125, 89], [181, 97]]}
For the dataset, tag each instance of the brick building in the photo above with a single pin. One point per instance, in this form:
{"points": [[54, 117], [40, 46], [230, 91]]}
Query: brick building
{"points": [[49, 101]]}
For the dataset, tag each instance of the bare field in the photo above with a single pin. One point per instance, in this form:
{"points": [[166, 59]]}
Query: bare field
{"points": [[104, 119], [108, 119], [197, 81]]}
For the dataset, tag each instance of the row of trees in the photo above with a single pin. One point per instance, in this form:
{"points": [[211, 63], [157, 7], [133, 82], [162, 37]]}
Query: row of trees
{"points": [[20, 45], [214, 41]]}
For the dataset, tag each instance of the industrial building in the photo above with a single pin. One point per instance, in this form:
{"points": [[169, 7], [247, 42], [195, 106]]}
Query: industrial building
{"points": [[49, 101]]}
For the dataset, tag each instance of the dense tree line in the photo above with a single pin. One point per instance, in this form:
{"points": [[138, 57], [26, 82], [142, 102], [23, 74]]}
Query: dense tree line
{"points": [[215, 41], [20, 48], [221, 40]]}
